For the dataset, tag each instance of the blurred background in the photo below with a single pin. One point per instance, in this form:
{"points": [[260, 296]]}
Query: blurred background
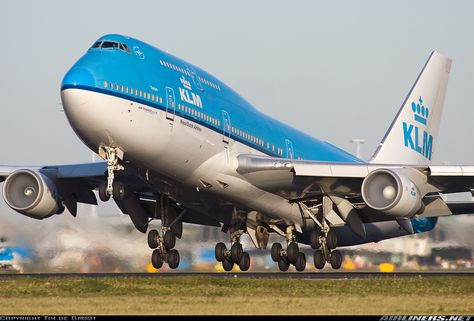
{"points": [[109, 243], [337, 70]]}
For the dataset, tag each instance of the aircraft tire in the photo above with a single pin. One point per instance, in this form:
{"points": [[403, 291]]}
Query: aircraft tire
{"points": [[236, 252], [227, 265], [292, 252], [156, 259], [314, 239], [219, 251], [276, 250], [103, 195], [244, 263], [169, 240], [331, 240], [173, 259], [335, 259], [153, 239], [283, 265], [300, 263], [319, 261]]}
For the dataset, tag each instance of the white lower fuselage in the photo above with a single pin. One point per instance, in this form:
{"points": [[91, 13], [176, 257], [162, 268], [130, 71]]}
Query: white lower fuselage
{"points": [[176, 149]]}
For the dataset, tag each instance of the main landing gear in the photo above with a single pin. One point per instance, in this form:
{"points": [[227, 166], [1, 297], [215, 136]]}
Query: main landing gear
{"points": [[234, 255], [290, 255], [164, 241], [163, 244], [325, 242]]}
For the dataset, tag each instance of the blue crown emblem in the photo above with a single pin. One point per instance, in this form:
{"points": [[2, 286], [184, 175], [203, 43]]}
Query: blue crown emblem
{"points": [[421, 112]]}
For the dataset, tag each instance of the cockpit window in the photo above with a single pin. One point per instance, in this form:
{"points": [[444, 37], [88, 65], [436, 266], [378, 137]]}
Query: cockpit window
{"points": [[111, 45]]}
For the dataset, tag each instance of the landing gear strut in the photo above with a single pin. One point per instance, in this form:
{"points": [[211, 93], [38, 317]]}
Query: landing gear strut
{"points": [[164, 241], [112, 156], [324, 241], [290, 255]]}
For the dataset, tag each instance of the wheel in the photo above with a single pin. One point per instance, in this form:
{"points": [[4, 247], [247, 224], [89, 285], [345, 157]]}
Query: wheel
{"points": [[319, 261], [120, 191], [331, 240], [276, 250], [244, 263], [103, 195], [236, 252], [335, 259], [314, 240], [283, 265], [156, 259], [169, 240], [227, 265], [220, 252], [300, 263], [292, 252], [153, 239], [173, 259]]}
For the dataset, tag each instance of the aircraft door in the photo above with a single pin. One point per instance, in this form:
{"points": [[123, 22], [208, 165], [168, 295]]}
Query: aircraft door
{"points": [[289, 149], [170, 103], [226, 126]]}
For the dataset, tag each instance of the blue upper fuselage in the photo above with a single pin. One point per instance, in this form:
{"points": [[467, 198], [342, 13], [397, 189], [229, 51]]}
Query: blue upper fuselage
{"points": [[128, 68]]}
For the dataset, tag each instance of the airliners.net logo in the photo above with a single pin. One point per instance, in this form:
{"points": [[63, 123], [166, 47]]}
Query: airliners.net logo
{"points": [[426, 318]]}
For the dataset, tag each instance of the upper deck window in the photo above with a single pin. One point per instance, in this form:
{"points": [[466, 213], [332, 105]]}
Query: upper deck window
{"points": [[111, 45]]}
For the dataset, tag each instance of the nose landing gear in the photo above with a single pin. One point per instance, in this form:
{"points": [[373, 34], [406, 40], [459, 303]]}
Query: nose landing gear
{"points": [[112, 156]]}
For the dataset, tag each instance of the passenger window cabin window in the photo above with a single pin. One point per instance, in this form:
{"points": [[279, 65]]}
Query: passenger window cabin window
{"points": [[105, 84]]}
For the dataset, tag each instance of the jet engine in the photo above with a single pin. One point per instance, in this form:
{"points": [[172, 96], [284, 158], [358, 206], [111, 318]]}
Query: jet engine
{"points": [[391, 192], [32, 194]]}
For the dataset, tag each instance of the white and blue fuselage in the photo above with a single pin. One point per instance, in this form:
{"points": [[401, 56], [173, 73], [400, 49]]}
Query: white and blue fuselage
{"points": [[175, 119]]}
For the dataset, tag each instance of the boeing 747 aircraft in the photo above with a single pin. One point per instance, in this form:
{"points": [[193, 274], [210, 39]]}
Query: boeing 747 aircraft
{"points": [[182, 147]]}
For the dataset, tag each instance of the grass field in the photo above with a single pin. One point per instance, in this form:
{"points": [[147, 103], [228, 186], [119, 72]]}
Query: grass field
{"points": [[211, 295]]}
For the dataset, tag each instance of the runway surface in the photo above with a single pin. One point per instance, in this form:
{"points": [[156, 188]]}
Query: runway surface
{"points": [[246, 275]]}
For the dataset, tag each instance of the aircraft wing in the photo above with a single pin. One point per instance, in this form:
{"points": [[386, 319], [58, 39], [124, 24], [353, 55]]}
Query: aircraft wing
{"points": [[301, 180], [75, 183], [83, 170]]}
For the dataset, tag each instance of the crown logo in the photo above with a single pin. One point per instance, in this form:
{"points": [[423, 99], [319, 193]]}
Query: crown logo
{"points": [[421, 112], [186, 83]]}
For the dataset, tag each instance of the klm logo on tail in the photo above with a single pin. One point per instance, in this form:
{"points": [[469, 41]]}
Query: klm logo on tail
{"points": [[415, 135]]}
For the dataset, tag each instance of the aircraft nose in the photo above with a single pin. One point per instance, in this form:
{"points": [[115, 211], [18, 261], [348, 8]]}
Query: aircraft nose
{"points": [[79, 78]]}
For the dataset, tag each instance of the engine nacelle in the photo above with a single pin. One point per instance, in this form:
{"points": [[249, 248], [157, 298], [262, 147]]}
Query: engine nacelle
{"points": [[391, 192], [32, 194]]}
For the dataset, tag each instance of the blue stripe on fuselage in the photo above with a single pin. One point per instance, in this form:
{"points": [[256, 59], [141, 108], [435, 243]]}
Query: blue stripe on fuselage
{"points": [[144, 71]]}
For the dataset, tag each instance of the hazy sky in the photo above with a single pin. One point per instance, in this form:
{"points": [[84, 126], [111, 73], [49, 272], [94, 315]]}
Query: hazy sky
{"points": [[335, 69]]}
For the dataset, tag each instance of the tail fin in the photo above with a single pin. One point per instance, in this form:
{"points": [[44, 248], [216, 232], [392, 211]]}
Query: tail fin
{"points": [[411, 138]]}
